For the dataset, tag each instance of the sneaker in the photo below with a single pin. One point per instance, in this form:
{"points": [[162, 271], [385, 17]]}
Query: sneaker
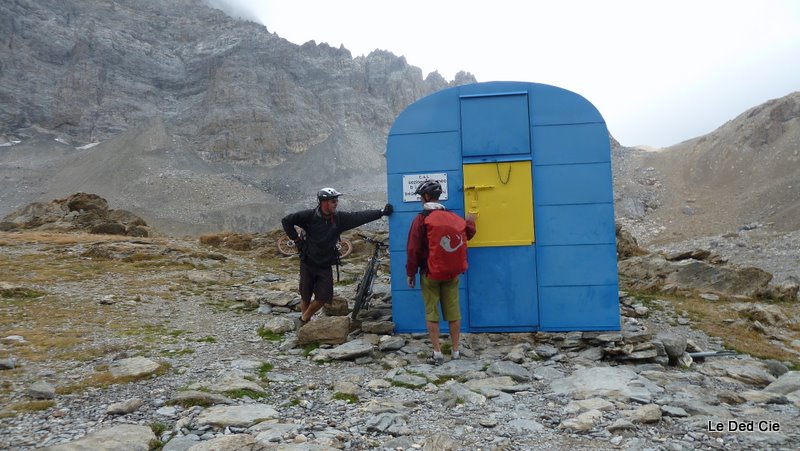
{"points": [[456, 355], [434, 360], [298, 323]]}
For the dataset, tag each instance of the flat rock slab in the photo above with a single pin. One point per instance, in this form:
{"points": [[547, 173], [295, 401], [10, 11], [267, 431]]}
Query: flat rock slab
{"points": [[234, 383], [125, 437], [188, 397], [787, 383], [236, 416], [133, 367], [606, 382], [235, 442]]}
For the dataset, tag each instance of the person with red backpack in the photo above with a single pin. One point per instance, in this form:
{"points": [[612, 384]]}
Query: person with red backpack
{"points": [[322, 227], [437, 248]]}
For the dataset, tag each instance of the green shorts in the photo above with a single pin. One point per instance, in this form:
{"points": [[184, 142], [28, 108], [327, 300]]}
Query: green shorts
{"points": [[444, 292]]}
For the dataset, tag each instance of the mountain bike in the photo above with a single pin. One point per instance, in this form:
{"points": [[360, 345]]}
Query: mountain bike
{"points": [[287, 247], [364, 289]]}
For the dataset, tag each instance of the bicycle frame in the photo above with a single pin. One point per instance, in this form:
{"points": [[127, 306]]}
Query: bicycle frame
{"points": [[364, 289]]}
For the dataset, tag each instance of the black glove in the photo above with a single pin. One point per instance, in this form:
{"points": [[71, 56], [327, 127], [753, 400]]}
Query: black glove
{"points": [[300, 244], [387, 210]]}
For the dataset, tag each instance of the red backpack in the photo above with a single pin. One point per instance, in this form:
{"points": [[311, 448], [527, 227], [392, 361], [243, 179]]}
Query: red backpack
{"points": [[447, 244]]}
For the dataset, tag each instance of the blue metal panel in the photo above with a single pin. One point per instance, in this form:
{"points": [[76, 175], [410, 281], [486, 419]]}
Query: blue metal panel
{"points": [[495, 125], [493, 88], [408, 311], [428, 152], [496, 158], [575, 224], [572, 184], [566, 144], [397, 265], [399, 224], [579, 308], [502, 287], [555, 106], [577, 265], [435, 113]]}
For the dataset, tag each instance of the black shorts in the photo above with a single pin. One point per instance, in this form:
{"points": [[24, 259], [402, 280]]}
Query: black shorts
{"points": [[316, 281]]}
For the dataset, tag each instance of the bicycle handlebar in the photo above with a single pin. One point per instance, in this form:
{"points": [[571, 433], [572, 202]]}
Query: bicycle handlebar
{"points": [[369, 239]]}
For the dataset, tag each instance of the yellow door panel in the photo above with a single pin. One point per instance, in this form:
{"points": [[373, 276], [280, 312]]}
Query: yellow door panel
{"points": [[501, 195]]}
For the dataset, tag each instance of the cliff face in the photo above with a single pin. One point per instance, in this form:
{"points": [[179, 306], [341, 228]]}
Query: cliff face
{"points": [[202, 121], [92, 68]]}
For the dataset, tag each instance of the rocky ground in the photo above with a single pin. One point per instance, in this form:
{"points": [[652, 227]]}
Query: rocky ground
{"points": [[172, 343]]}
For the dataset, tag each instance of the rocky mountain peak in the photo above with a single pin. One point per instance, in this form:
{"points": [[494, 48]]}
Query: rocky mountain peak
{"points": [[231, 98]]}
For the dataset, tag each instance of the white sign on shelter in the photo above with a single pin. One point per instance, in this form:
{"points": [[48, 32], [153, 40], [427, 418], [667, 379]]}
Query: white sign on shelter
{"points": [[412, 181]]}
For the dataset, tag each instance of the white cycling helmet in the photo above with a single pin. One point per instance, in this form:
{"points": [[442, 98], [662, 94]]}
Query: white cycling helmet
{"points": [[327, 193]]}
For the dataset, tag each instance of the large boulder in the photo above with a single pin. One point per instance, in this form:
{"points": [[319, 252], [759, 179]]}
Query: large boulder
{"points": [[86, 202], [655, 272], [327, 329], [80, 211], [627, 246]]}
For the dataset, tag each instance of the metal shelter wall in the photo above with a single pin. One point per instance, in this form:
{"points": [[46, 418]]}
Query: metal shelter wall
{"points": [[534, 162]]}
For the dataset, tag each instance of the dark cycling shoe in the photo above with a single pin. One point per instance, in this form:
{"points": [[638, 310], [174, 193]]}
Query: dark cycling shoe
{"points": [[298, 323], [433, 360]]}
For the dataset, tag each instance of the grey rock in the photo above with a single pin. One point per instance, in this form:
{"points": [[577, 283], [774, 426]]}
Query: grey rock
{"points": [[440, 442], [547, 373], [127, 406], [391, 343], [41, 390], [350, 350], [133, 367], [776, 368], [787, 383], [326, 329], [545, 350], [649, 413], [377, 327], [511, 369], [124, 436], [385, 422], [181, 443], [672, 411], [463, 393], [234, 442], [238, 416], [674, 345], [278, 324], [408, 379], [583, 422], [266, 432], [621, 424], [8, 363], [189, 397], [748, 371], [616, 383]]}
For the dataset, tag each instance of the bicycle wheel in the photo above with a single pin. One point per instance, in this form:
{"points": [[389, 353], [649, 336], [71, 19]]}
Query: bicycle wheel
{"points": [[344, 247], [286, 246], [363, 291]]}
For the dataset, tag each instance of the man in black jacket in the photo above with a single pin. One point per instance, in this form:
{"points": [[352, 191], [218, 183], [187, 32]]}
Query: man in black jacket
{"points": [[322, 226]]}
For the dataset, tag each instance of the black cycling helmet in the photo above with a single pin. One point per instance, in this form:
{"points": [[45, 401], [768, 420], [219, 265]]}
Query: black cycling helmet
{"points": [[327, 193], [429, 187]]}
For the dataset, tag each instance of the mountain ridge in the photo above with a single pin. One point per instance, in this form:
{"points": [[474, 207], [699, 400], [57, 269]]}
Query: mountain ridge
{"points": [[199, 122]]}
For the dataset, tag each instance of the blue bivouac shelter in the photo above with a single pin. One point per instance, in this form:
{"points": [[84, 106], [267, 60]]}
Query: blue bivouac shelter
{"points": [[533, 162]]}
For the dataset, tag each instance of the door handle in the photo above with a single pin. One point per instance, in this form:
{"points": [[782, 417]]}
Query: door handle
{"points": [[476, 189]]}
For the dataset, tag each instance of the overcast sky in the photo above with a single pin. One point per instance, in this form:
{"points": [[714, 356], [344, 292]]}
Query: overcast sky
{"points": [[660, 72]]}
